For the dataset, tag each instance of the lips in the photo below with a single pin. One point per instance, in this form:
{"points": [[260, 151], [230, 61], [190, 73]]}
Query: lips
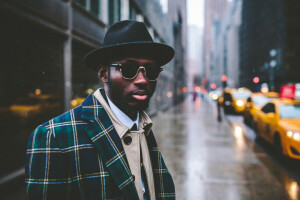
{"points": [[140, 95]]}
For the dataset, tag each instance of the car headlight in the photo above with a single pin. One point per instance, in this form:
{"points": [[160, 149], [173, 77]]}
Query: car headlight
{"points": [[294, 135], [214, 96], [239, 103]]}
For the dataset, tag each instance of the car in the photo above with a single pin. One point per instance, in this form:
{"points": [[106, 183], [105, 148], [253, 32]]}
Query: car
{"points": [[234, 100], [254, 103], [35, 107], [278, 122]]}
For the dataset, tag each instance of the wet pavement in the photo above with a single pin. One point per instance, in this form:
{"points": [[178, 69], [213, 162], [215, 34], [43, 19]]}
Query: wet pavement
{"points": [[211, 160]]}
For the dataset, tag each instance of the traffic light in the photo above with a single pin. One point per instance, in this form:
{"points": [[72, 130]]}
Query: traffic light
{"points": [[224, 81], [224, 78], [256, 80], [213, 86]]}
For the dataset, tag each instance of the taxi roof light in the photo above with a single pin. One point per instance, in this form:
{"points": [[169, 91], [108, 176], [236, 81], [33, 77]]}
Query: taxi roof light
{"points": [[290, 91]]}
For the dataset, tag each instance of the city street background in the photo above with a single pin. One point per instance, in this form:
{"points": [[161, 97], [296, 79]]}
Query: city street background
{"points": [[228, 53]]}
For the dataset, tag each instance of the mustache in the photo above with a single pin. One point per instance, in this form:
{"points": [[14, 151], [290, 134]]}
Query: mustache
{"points": [[140, 92]]}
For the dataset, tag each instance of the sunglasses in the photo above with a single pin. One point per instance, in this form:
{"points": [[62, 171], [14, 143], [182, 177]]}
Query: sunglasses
{"points": [[130, 70]]}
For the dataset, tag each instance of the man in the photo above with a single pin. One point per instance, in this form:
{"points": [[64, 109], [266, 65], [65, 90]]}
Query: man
{"points": [[105, 148]]}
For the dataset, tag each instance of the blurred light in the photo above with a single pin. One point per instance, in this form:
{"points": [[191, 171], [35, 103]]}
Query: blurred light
{"points": [[37, 91], [238, 131], [239, 102], [273, 52], [296, 136], [289, 133], [185, 89], [264, 90], [213, 86], [197, 89], [89, 90], [288, 91], [293, 190], [197, 103], [240, 141], [74, 102], [256, 80], [224, 78], [214, 96], [169, 94], [273, 63]]}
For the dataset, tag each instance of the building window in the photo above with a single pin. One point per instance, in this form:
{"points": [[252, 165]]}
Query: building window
{"points": [[93, 6], [81, 2], [132, 11], [114, 11]]}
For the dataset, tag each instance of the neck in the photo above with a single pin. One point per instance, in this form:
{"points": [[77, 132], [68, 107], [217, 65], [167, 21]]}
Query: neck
{"points": [[131, 115]]}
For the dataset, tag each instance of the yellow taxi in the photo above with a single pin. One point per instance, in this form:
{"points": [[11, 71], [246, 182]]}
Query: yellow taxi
{"points": [[278, 122], [254, 103], [234, 100], [35, 106]]}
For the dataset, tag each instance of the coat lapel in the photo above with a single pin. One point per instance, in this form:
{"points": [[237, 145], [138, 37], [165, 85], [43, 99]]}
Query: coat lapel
{"points": [[107, 141]]}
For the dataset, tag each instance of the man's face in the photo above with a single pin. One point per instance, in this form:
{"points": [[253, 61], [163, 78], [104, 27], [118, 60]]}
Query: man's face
{"points": [[130, 95]]}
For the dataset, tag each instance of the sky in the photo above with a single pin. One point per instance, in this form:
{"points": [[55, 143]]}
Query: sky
{"points": [[195, 12]]}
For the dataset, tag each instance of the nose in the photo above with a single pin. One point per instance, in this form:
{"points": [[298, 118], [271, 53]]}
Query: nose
{"points": [[140, 78]]}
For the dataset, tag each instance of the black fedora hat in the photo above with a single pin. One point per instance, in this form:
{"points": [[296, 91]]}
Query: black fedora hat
{"points": [[126, 39]]}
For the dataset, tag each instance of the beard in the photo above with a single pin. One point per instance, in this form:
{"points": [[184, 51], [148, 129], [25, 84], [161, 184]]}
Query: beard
{"points": [[127, 104]]}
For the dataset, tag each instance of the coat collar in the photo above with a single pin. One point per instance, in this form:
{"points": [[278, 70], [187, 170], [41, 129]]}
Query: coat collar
{"points": [[107, 141]]}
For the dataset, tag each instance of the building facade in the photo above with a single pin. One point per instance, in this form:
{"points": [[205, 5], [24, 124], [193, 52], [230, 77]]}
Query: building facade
{"points": [[214, 13], [269, 42], [42, 47], [225, 51]]}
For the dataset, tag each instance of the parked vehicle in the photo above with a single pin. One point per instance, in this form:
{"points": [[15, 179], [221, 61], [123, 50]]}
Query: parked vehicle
{"points": [[254, 103]]}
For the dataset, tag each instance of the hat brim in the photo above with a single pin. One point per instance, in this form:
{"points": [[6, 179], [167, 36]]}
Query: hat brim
{"points": [[158, 52]]}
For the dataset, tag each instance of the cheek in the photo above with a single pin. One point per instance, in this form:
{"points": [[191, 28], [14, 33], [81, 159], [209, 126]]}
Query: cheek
{"points": [[152, 86], [119, 87]]}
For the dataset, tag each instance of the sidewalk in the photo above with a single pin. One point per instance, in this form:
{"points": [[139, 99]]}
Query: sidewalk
{"points": [[211, 160]]}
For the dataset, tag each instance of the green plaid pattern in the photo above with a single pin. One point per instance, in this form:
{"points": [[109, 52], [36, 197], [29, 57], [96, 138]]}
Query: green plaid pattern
{"points": [[79, 155]]}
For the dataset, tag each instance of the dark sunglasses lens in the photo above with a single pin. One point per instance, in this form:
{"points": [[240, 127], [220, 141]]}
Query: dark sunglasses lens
{"points": [[129, 70], [152, 72]]}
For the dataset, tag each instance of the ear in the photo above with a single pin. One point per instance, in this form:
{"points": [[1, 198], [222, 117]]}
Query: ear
{"points": [[103, 73]]}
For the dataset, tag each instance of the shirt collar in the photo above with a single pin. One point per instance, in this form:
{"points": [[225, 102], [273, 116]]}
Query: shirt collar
{"points": [[124, 119], [144, 122]]}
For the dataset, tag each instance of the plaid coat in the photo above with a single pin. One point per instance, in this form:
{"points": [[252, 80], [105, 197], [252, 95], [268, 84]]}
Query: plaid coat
{"points": [[79, 155]]}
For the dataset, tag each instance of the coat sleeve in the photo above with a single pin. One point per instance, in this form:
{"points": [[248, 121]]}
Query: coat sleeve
{"points": [[45, 170]]}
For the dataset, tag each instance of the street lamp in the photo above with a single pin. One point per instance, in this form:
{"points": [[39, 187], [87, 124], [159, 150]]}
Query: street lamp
{"points": [[272, 64]]}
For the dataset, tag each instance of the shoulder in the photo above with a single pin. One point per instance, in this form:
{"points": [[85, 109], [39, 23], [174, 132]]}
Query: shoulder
{"points": [[72, 116], [61, 127]]}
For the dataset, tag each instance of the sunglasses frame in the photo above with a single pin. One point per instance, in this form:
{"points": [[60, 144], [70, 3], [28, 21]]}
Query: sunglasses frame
{"points": [[140, 67]]}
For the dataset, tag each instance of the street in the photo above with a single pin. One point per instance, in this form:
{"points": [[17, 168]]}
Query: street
{"points": [[211, 160]]}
